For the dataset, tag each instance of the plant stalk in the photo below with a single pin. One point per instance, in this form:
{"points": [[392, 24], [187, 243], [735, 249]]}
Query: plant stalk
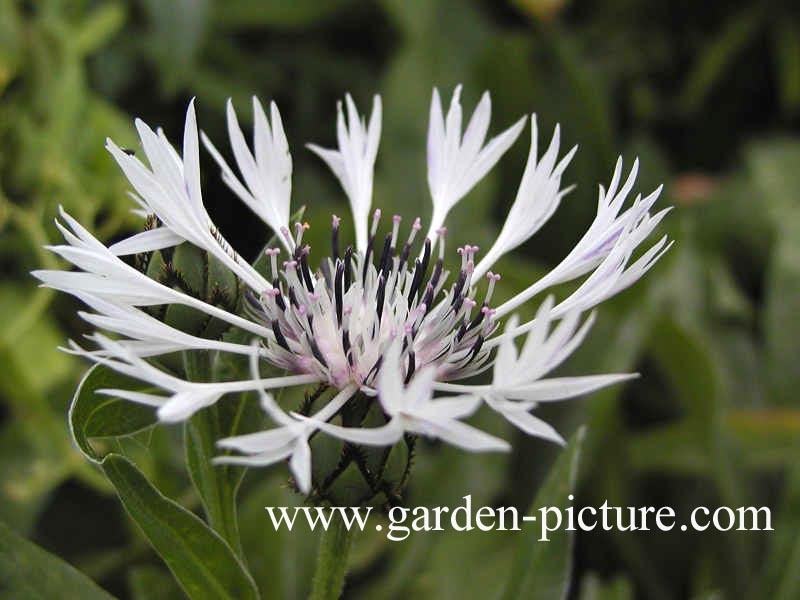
{"points": [[332, 560]]}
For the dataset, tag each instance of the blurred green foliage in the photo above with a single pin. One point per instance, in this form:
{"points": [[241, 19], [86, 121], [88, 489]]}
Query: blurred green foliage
{"points": [[707, 94]]}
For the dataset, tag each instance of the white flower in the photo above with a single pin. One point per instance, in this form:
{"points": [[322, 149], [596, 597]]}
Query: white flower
{"points": [[386, 319]]}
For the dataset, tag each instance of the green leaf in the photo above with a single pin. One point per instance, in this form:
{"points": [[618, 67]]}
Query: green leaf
{"points": [[93, 415], [718, 56], [542, 568], [777, 181], [98, 27], [27, 572], [177, 34], [148, 582], [201, 561]]}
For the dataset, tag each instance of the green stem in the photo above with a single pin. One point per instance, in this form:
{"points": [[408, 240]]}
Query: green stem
{"points": [[216, 486], [332, 561]]}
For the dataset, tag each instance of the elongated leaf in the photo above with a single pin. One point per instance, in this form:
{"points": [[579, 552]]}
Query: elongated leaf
{"points": [[30, 573], [542, 568], [148, 582], [201, 561], [719, 55], [93, 415]]}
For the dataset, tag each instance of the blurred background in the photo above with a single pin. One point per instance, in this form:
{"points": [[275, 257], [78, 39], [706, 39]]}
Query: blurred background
{"points": [[706, 94]]}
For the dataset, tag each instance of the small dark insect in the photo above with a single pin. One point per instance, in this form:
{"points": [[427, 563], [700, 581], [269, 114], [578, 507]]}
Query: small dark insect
{"points": [[128, 151]]}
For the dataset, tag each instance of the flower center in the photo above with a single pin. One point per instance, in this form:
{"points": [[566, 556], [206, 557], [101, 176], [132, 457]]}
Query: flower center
{"points": [[337, 321]]}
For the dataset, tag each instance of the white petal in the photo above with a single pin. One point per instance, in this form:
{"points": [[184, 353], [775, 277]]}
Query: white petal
{"points": [[378, 436], [354, 161], [184, 404], [522, 419], [460, 434], [537, 199], [147, 241], [455, 165], [561, 388], [262, 459], [390, 382], [300, 464], [453, 407], [139, 397], [261, 441]]}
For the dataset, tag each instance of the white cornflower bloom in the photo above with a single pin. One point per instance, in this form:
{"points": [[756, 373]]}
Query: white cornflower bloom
{"points": [[383, 321]]}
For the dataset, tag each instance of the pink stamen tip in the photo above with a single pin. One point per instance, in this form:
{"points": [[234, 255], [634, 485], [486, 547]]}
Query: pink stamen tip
{"points": [[301, 310], [336, 221], [272, 251], [461, 250], [274, 292], [290, 264], [417, 224], [488, 311], [397, 218], [285, 231], [313, 297], [470, 265], [493, 276], [441, 231], [408, 328], [423, 308], [301, 226], [376, 214], [306, 250], [469, 302], [473, 248]]}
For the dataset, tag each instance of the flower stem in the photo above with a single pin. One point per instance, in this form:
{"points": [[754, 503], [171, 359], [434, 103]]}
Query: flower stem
{"points": [[332, 560]]}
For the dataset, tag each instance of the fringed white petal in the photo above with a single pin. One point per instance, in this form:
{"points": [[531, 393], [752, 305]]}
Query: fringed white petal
{"points": [[456, 164], [354, 161]]}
